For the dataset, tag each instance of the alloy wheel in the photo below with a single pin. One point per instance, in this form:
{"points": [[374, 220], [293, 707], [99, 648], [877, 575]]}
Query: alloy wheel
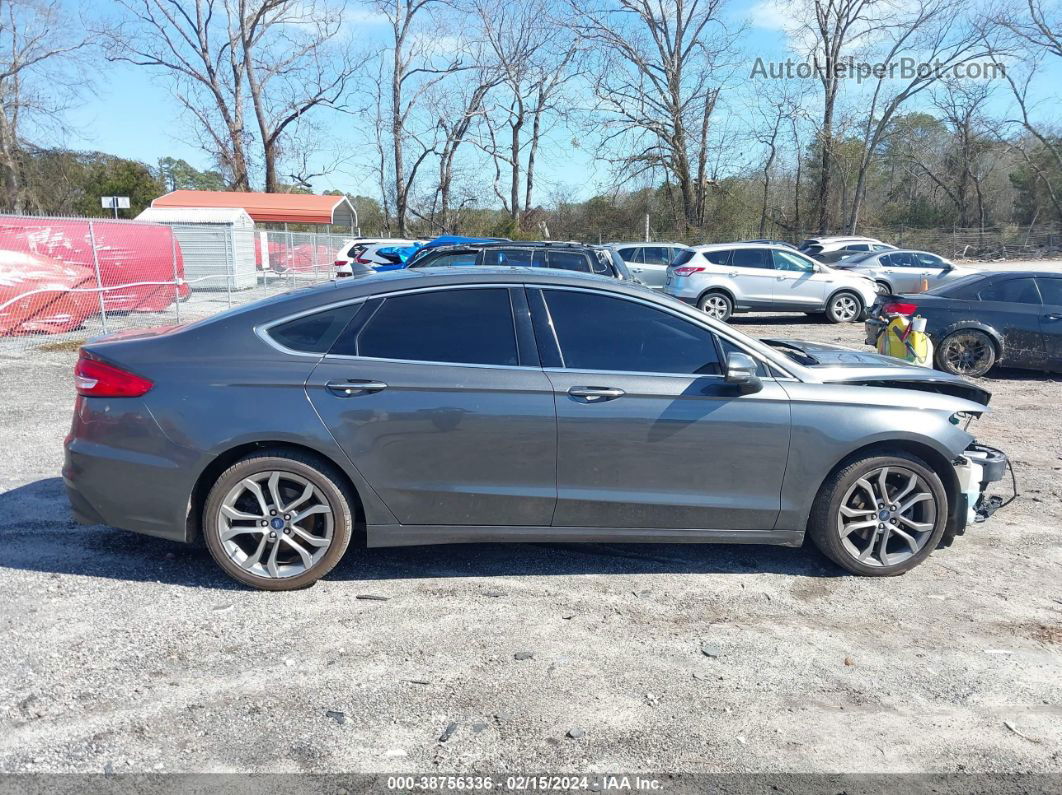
{"points": [[275, 524], [845, 308], [967, 353], [887, 516], [716, 306]]}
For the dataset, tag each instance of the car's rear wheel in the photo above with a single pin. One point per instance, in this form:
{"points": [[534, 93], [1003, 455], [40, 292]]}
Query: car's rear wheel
{"points": [[717, 305], [844, 307], [278, 520], [882, 288], [880, 515], [967, 352]]}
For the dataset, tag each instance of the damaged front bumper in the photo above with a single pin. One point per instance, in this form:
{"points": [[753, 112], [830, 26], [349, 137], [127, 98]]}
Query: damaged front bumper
{"points": [[977, 467]]}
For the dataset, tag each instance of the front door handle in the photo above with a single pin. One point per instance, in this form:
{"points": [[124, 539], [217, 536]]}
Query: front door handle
{"points": [[596, 393], [354, 386]]}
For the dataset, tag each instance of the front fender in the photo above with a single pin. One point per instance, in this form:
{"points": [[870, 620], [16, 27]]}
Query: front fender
{"points": [[833, 421]]}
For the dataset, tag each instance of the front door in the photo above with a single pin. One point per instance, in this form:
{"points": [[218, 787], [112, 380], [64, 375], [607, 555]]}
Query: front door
{"points": [[649, 435], [438, 406], [798, 284]]}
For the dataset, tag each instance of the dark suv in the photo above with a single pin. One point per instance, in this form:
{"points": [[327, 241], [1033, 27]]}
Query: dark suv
{"points": [[578, 257]]}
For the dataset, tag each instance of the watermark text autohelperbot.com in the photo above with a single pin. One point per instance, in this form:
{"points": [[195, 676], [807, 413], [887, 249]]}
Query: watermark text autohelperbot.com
{"points": [[850, 69]]}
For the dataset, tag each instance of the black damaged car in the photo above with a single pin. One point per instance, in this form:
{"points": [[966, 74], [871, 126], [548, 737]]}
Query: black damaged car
{"points": [[1011, 318]]}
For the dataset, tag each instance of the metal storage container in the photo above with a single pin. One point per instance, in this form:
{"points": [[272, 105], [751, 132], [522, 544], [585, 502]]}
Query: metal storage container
{"points": [[217, 243]]}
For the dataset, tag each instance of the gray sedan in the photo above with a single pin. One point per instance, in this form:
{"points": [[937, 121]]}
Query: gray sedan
{"points": [[904, 270], [504, 404]]}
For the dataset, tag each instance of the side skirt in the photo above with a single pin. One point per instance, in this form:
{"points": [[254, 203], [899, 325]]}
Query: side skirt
{"points": [[398, 535]]}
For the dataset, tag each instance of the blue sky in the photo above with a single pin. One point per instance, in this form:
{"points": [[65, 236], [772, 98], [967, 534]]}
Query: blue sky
{"points": [[133, 114]]}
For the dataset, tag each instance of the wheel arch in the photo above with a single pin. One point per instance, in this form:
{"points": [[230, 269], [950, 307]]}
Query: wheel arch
{"points": [[934, 458], [715, 288], [230, 456], [973, 325]]}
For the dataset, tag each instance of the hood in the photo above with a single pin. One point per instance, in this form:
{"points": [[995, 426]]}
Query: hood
{"points": [[839, 365]]}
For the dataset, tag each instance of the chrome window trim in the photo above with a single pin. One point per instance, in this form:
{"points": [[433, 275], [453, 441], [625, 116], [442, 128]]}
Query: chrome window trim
{"points": [[262, 329], [342, 356]]}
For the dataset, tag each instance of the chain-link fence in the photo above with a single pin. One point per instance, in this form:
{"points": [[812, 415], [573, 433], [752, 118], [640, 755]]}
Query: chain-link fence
{"points": [[63, 280]]}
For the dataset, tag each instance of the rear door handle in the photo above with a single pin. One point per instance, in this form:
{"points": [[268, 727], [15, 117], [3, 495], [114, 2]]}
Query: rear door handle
{"points": [[596, 393], [354, 386], [1053, 316]]}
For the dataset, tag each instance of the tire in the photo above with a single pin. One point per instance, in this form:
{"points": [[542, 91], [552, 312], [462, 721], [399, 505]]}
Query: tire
{"points": [[323, 534], [966, 352], [908, 540], [844, 307], [716, 304]]}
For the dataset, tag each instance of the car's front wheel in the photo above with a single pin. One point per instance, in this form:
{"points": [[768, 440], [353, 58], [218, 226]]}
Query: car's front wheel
{"points": [[880, 515], [717, 305], [844, 307], [278, 520]]}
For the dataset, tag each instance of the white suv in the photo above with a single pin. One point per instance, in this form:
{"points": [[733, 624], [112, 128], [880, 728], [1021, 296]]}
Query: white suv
{"points": [[748, 277]]}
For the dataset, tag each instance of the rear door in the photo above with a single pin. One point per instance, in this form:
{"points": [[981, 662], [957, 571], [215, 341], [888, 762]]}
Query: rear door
{"points": [[901, 269], [753, 273], [439, 402], [651, 270], [649, 434], [1051, 319]]}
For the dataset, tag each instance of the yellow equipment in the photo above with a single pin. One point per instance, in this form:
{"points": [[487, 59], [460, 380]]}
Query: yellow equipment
{"points": [[905, 338]]}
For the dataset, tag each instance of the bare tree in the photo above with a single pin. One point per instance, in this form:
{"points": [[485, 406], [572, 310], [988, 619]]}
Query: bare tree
{"points": [[37, 52], [657, 81], [415, 64], [291, 66], [194, 43], [941, 38]]}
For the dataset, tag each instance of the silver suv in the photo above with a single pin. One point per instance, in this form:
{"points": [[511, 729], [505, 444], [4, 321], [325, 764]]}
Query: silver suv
{"points": [[904, 271], [648, 262], [725, 278]]}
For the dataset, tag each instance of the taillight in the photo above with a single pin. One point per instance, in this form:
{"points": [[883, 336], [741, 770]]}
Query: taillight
{"points": [[340, 263], [94, 378], [362, 261], [687, 270], [899, 308]]}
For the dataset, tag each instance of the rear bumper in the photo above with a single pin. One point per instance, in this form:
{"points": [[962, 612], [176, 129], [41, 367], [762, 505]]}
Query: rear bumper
{"points": [[142, 485]]}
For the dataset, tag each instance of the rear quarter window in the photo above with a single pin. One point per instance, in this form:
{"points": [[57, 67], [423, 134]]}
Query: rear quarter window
{"points": [[314, 333]]}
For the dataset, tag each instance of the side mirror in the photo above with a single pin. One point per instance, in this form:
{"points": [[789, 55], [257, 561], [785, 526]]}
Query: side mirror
{"points": [[741, 372]]}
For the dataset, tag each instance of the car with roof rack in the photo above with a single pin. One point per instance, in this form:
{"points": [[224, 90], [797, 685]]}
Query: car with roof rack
{"points": [[558, 255]]}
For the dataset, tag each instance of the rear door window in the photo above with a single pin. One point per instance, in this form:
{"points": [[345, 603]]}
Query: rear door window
{"points": [[517, 257], [463, 326], [451, 259], [568, 261], [751, 258], [655, 255]]}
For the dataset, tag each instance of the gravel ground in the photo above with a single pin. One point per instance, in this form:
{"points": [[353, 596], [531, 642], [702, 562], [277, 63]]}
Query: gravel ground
{"points": [[132, 654]]}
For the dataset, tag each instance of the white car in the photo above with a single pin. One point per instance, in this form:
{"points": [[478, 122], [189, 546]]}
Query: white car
{"points": [[648, 262], [363, 251], [817, 246], [725, 278]]}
